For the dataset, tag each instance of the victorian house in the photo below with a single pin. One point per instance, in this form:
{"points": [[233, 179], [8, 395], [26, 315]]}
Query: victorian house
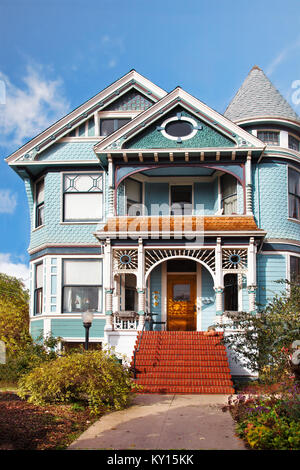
{"points": [[144, 202]]}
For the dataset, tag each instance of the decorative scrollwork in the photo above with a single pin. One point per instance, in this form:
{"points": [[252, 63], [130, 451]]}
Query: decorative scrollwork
{"points": [[125, 260], [206, 256], [234, 259]]}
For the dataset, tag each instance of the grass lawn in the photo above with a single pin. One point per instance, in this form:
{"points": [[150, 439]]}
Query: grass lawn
{"points": [[24, 426]]}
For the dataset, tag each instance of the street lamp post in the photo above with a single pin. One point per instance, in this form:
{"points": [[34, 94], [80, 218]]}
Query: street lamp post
{"points": [[87, 318]]}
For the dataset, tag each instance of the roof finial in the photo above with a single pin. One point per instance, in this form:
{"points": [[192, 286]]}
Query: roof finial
{"points": [[255, 67]]}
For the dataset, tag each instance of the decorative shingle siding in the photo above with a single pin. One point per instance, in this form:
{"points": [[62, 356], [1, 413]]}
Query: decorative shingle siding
{"points": [[54, 231], [73, 328], [270, 269], [67, 151], [130, 101], [152, 138], [271, 211]]}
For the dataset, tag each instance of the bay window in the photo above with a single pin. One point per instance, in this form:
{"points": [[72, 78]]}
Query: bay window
{"points": [[294, 194], [39, 203], [295, 269], [83, 197], [38, 289], [82, 285]]}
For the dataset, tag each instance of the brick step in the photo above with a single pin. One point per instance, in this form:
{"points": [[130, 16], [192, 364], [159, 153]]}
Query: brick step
{"points": [[177, 351], [218, 390], [182, 375], [161, 369], [177, 364], [182, 347], [182, 382], [166, 334], [184, 358]]}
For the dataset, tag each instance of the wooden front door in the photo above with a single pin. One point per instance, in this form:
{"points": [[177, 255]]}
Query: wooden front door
{"points": [[182, 303]]}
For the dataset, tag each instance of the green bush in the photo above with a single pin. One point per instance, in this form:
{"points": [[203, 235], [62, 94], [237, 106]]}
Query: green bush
{"points": [[94, 377], [27, 358]]}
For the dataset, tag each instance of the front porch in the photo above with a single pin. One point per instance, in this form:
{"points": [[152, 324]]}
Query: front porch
{"points": [[187, 284]]}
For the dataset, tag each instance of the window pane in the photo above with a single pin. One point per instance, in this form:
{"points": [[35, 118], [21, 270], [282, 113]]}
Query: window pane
{"points": [[294, 182], [181, 292], [179, 128], [121, 122], [295, 269], [38, 300], [106, 127], [293, 143], [39, 275], [80, 299], [231, 292], [269, 137], [40, 192], [80, 273], [133, 190], [40, 215], [86, 206], [229, 194]]}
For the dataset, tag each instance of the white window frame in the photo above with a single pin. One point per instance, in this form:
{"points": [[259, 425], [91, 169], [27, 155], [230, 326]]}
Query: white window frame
{"points": [[80, 221]]}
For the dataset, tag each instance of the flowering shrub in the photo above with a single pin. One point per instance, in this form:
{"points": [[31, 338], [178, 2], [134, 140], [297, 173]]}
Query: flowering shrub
{"points": [[94, 377], [268, 422]]}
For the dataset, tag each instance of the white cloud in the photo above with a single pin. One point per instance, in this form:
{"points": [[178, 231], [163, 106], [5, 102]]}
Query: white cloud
{"points": [[281, 56], [31, 108], [8, 201], [18, 270]]}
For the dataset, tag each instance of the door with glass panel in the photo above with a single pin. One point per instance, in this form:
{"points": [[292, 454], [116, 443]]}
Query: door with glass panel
{"points": [[181, 303]]}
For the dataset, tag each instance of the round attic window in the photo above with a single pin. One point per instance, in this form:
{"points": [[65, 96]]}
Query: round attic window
{"points": [[179, 128]]}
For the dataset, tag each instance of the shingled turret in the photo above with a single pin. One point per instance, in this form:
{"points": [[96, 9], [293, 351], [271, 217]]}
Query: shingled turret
{"points": [[257, 97]]}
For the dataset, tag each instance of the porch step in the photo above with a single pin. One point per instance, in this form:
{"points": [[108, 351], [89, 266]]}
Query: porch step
{"points": [[182, 362]]}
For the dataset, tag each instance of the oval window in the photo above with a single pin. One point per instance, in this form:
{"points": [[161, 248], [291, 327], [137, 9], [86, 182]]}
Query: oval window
{"points": [[179, 128]]}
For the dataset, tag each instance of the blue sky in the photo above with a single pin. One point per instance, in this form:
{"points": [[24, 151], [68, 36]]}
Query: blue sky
{"points": [[55, 55]]}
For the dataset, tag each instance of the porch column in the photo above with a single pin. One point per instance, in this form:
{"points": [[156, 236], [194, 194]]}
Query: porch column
{"points": [[140, 284], [219, 283], [251, 276], [107, 284], [111, 188], [249, 202]]}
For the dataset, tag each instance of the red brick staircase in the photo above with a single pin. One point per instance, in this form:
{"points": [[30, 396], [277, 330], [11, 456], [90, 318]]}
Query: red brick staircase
{"points": [[182, 362]]}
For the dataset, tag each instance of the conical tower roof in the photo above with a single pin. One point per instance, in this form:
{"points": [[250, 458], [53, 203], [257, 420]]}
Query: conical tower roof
{"points": [[257, 97]]}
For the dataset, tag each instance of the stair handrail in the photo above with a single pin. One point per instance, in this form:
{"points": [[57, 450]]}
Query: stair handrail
{"points": [[148, 318]]}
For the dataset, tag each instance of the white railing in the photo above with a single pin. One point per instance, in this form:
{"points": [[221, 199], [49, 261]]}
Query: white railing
{"points": [[126, 320]]}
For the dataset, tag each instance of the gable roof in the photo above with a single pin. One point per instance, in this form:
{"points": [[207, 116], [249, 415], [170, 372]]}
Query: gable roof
{"points": [[50, 136], [258, 97], [178, 96]]}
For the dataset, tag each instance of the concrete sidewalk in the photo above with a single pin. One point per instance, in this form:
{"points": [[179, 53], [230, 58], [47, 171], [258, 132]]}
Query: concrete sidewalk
{"points": [[165, 422]]}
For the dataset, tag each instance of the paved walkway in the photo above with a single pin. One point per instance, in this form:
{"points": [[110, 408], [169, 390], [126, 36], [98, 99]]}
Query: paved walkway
{"points": [[165, 422]]}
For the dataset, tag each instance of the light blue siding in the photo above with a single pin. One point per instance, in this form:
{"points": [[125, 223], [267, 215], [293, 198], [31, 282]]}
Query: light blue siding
{"points": [[270, 268], [208, 307], [206, 196], [73, 328], [157, 194], [36, 328], [271, 201]]}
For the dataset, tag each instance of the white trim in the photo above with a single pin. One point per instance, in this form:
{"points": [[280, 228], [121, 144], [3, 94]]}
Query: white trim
{"points": [[183, 118], [199, 297], [179, 93], [82, 109]]}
